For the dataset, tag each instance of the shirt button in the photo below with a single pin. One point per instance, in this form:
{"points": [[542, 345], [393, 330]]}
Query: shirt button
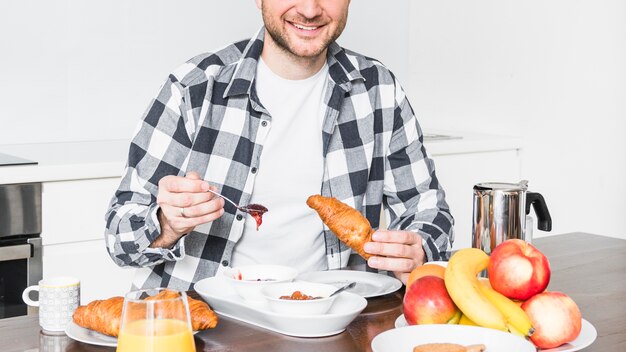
{"points": [[239, 217], [264, 123], [253, 170], [225, 262]]}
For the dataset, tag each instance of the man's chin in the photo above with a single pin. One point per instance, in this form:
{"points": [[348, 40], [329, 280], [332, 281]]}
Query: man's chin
{"points": [[307, 51], [307, 54], [300, 47]]}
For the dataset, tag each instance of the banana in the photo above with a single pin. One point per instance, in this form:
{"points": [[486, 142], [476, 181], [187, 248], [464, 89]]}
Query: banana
{"points": [[514, 331], [455, 318], [466, 321], [517, 320], [464, 289]]}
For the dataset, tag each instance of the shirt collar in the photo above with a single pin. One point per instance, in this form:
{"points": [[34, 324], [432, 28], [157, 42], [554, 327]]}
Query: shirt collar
{"points": [[340, 68]]}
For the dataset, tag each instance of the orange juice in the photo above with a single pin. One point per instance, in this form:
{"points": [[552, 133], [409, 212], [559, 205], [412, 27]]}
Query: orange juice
{"points": [[155, 336]]}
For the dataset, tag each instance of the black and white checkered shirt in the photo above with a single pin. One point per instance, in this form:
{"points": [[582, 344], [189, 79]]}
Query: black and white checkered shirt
{"points": [[207, 118]]}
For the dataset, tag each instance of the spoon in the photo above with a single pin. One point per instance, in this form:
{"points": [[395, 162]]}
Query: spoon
{"points": [[350, 285], [252, 209]]}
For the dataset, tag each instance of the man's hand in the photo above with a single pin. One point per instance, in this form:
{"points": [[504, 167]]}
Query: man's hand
{"points": [[184, 204], [396, 251]]}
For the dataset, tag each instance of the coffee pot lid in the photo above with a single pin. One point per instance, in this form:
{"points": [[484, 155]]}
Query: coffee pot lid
{"points": [[502, 186]]}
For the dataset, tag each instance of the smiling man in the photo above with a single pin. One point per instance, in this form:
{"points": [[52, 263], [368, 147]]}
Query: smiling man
{"points": [[300, 35], [273, 120]]}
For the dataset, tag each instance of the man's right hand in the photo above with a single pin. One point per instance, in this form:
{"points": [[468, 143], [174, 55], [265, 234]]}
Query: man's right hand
{"points": [[184, 204]]}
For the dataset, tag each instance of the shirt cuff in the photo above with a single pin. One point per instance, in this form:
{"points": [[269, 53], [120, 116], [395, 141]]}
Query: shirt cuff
{"points": [[153, 230], [433, 251]]}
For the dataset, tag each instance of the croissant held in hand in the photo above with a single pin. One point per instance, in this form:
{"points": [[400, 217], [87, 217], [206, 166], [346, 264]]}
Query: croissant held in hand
{"points": [[347, 223], [104, 316]]}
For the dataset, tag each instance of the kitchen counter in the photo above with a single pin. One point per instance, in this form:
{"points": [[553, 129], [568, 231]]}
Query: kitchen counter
{"points": [[446, 143], [587, 267], [101, 159], [65, 161]]}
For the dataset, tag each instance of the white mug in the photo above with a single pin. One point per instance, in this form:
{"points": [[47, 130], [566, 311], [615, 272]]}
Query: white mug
{"points": [[58, 299], [53, 342]]}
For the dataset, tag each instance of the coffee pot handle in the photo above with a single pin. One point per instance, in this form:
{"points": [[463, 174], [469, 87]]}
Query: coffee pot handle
{"points": [[544, 221]]}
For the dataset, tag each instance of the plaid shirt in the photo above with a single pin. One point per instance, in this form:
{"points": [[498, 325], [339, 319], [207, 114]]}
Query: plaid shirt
{"points": [[207, 118]]}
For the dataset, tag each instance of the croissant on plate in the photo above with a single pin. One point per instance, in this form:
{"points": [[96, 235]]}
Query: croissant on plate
{"points": [[347, 223], [105, 316]]}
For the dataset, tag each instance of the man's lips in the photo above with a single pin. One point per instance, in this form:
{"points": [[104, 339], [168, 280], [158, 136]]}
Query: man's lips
{"points": [[306, 29]]}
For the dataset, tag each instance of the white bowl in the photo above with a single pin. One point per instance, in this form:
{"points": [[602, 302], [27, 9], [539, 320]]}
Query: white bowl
{"points": [[315, 306], [438, 262], [222, 298], [248, 280]]}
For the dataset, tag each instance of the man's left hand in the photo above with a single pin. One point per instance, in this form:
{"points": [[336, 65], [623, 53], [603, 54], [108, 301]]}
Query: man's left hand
{"points": [[397, 251]]}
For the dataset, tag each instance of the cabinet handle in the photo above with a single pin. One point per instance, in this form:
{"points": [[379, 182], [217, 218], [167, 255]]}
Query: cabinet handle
{"points": [[21, 251]]}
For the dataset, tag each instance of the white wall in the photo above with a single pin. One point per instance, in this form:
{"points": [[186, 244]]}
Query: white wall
{"points": [[77, 70], [553, 72], [85, 70]]}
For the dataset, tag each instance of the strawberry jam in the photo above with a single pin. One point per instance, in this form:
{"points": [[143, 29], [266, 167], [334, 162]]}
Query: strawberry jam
{"points": [[257, 211]]}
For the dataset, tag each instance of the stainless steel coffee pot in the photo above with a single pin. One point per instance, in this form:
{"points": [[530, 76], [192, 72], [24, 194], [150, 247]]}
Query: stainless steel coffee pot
{"points": [[501, 213]]}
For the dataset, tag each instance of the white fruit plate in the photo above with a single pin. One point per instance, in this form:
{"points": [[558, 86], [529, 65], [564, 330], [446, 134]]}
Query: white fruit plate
{"points": [[586, 337]]}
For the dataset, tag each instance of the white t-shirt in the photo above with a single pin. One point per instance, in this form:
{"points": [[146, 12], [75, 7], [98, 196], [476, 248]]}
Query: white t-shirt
{"points": [[290, 170]]}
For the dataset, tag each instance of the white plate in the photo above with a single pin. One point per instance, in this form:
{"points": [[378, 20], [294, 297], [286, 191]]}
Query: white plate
{"points": [[586, 337], [91, 337], [225, 301], [405, 338], [367, 284], [82, 334]]}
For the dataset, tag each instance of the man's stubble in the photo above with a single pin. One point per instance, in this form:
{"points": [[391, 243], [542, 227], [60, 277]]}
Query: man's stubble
{"points": [[283, 43]]}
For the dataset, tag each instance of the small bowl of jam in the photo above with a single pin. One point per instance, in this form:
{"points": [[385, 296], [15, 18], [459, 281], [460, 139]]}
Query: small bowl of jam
{"points": [[299, 297], [248, 280]]}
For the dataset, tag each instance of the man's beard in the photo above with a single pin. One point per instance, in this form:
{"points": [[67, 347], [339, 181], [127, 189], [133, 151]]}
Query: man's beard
{"points": [[282, 42]]}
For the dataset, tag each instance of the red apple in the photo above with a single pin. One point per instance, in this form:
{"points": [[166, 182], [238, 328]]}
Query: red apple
{"points": [[556, 319], [518, 270], [427, 301]]}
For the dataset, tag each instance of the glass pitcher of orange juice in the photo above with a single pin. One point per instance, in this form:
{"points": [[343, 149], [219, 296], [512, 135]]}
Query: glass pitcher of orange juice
{"points": [[155, 320]]}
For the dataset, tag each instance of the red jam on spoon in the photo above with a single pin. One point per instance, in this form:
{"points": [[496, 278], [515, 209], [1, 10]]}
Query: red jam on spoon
{"points": [[256, 211]]}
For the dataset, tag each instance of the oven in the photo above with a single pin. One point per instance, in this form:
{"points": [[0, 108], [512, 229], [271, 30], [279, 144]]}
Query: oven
{"points": [[20, 245]]}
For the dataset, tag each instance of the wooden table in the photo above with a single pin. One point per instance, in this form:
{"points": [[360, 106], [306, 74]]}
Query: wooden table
{"points": [[589, 268]]}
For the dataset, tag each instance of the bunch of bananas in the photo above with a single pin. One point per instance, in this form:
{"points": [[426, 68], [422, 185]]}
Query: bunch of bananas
{"points": [[480, 304]]}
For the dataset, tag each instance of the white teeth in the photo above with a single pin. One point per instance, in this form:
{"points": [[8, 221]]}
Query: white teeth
{"points": [[304, 27]]}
